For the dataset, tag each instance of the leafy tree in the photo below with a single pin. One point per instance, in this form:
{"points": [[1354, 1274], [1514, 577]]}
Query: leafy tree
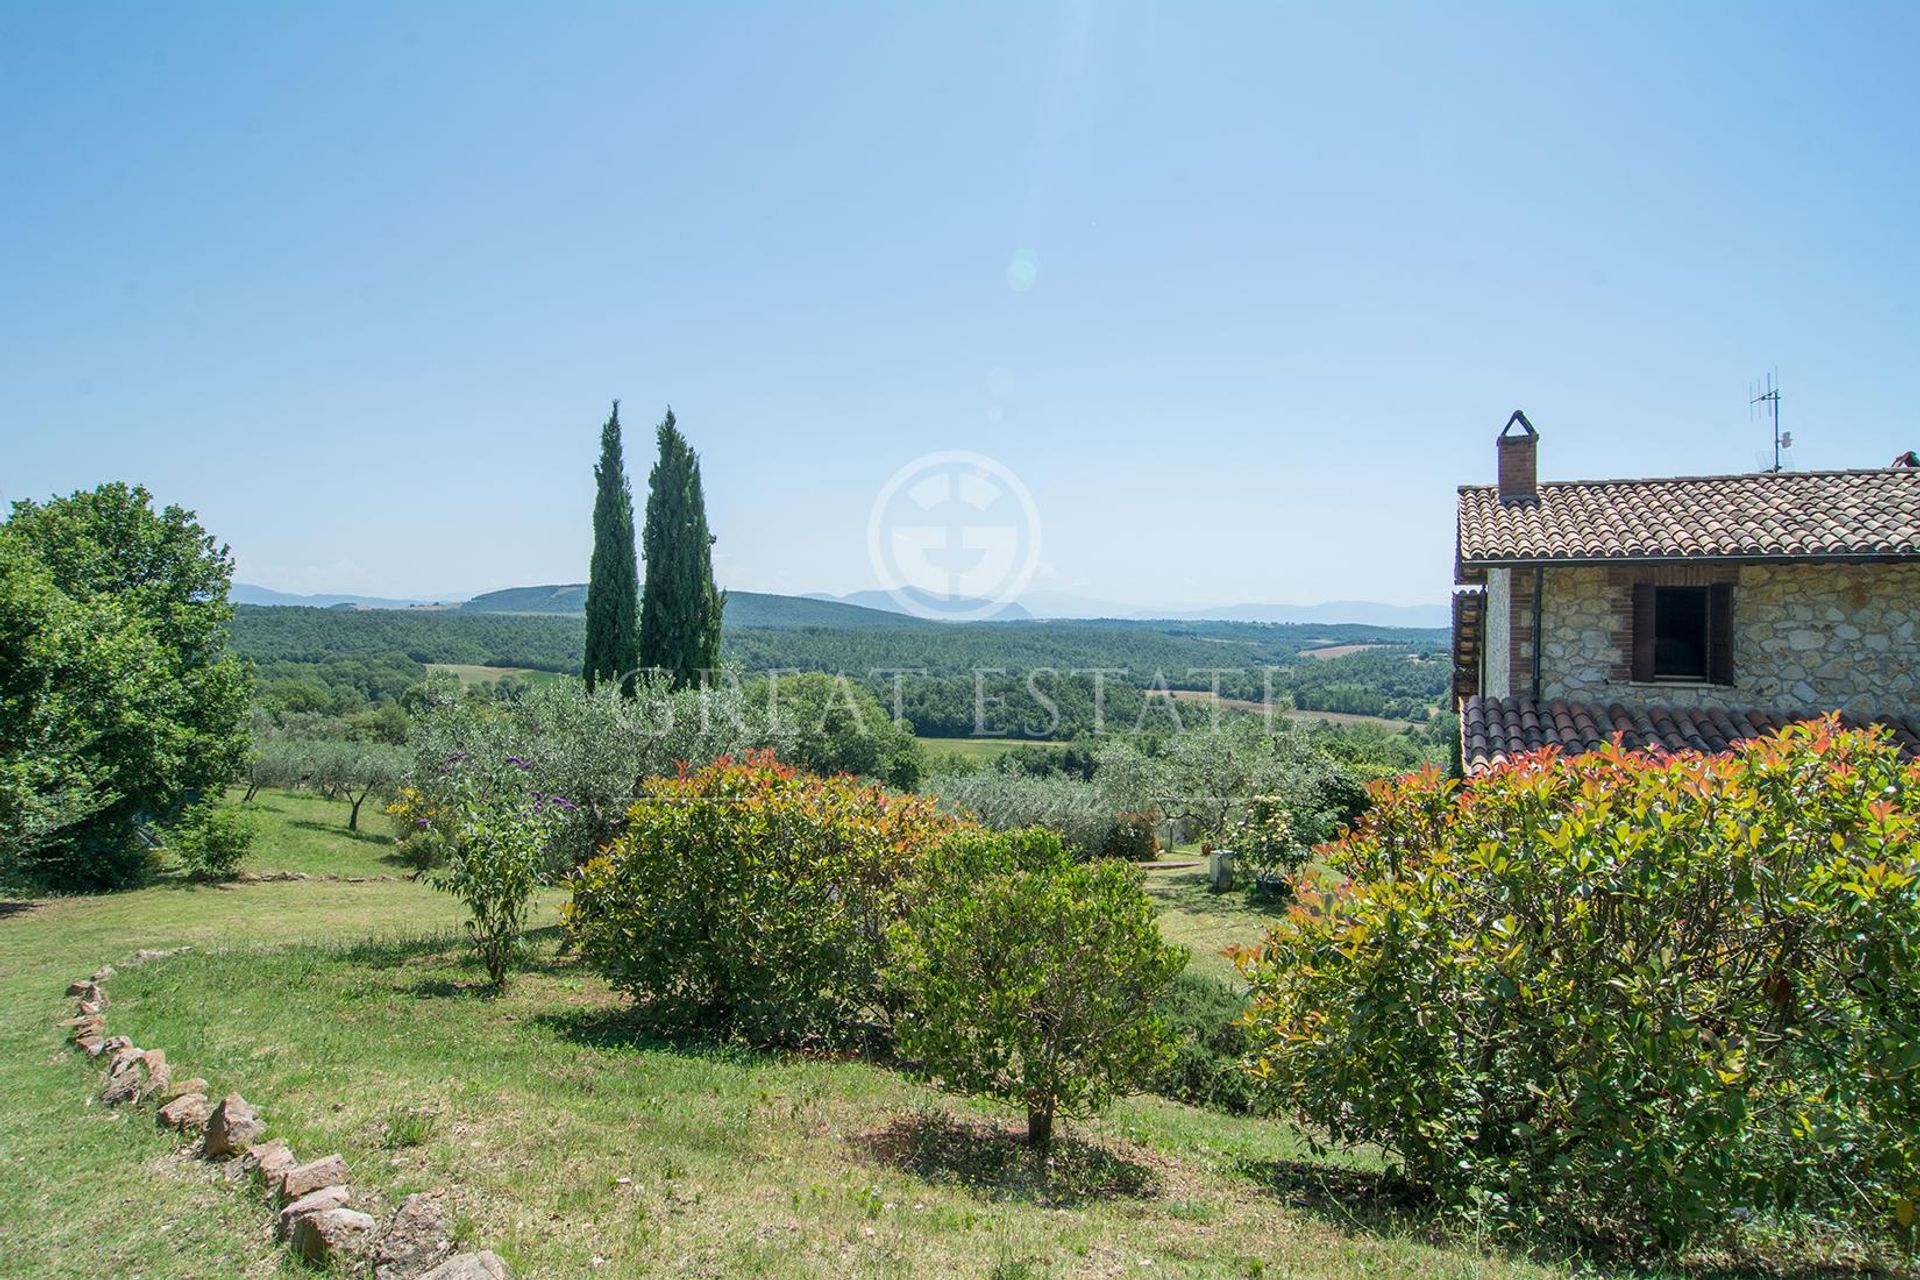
{"points": [[1033, 978], [1202, 779], [1002, 800], [680, 609], [277, 760], [591, 748], [355, 771], [837, 726], [118, 699], [613, 583]]}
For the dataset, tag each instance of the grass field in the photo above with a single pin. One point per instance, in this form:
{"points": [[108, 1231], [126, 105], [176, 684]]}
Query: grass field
{"points": [[981, 750], [350, 1011]]}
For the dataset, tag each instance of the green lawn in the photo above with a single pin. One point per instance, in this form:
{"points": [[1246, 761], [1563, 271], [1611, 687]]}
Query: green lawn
{"points": [[346, 1008], [981, 750], [1205, 922]]}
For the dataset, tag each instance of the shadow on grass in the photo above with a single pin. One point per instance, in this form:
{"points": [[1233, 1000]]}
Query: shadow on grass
{"points": [[1374, 1202], [340, 831], [10, 909], [1359, 1199], [630, 1029], [995, 1161], [452, 950]]}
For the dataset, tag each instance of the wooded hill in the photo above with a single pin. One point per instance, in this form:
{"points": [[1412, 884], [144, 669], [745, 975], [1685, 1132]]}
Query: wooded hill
{"points": [[1400, 673]]}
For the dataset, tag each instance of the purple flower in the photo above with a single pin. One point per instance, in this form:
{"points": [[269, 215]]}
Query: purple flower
{"points": [[565, 803], [519, 763], [422, 823]]}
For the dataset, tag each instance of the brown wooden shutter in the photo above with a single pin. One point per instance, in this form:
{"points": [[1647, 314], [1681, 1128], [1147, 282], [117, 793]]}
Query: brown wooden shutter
{"points": [[1720, 633], [1642, 632]]}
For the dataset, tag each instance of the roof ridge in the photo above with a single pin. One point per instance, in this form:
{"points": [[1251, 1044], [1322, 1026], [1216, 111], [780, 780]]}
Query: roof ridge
{"points": [[1900, 472]]}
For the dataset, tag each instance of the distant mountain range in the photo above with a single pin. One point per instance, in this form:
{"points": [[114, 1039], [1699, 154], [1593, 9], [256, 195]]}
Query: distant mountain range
{"points": [[744, 608], [879, 608], [248, 593]]}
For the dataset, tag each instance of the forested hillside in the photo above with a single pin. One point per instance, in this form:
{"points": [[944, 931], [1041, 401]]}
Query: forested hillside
{"points": [[1008, 671]]}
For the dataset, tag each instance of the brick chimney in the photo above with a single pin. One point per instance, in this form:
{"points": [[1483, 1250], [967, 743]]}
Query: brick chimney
{"points": [[1519, 460]]}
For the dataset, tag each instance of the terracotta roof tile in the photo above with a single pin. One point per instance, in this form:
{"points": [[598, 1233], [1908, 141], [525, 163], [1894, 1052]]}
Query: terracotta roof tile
{"points": [[1493, 729], [1789, 514]]}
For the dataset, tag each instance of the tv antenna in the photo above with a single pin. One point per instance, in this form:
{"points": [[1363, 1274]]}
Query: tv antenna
{"points": [[1770, 397]]}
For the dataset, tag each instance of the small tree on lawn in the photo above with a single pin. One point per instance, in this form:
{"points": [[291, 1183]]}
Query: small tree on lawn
{"points": [[1032, 978], [494, 839], [211, 838], [355, 771]]}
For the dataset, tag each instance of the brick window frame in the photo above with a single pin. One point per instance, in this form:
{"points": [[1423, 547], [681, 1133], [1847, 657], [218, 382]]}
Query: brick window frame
{"points": [[1631, 588]]}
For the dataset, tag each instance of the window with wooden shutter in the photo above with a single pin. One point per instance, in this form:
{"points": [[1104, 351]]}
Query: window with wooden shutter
{"points": [[1682, 634], [1643, 632], [1720, 633]]}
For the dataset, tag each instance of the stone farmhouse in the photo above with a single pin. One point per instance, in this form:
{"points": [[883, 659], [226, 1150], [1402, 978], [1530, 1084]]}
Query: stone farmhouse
{"points": [[1687, 612]]}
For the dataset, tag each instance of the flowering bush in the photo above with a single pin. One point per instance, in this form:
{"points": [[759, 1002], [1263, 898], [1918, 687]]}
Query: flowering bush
{"points": [[1133, 836], [748, 897], [1640, 994], [1265, 838], [417, 821]]}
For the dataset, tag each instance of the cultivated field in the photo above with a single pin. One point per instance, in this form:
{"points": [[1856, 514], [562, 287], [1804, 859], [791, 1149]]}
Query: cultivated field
{"points": [[472, 673], [978, 749]]}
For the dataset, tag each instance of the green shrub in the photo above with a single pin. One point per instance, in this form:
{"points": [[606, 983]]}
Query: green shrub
{"points": [[1210, 1044], [1132, 836], [1267, 838], [1032, 978], [493, 836], [212, 838], [1644, 996], [749, 898]]}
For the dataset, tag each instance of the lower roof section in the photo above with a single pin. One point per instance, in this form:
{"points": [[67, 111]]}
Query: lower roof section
{"points": [[1493, 730]]}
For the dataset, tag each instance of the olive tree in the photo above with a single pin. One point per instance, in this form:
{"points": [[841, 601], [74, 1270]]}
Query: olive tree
{"points": [[356, 771]]}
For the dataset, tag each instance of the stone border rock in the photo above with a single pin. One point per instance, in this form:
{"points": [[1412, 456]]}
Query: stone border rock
{"points": [[311, 1198]]}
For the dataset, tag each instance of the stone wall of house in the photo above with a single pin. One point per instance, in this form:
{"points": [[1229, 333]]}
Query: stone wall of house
{"points": [[1806, 637]]}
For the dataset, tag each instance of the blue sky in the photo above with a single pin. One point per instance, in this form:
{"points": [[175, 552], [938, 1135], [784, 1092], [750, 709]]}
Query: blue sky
{"points": [[1240, 292]]}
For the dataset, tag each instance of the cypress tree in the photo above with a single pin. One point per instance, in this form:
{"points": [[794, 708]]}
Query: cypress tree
{"points": [[613, 580], [680, 610]]}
